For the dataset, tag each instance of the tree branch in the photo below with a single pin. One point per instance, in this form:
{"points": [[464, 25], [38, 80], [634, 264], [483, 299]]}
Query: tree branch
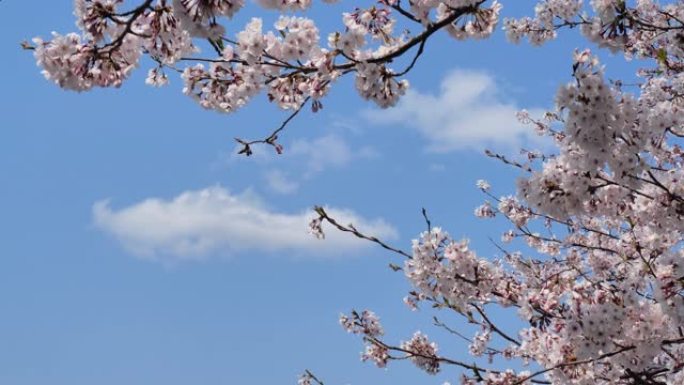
{"points": [[323, 216]]}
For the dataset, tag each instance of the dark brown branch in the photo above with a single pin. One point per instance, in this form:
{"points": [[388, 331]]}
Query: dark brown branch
{"points": [[507, 161], [271, 139], [313, 377], [134, 14], [397, 7], [427, 219], [416, 40], [323, 215], [421, 47], [493, 326]]}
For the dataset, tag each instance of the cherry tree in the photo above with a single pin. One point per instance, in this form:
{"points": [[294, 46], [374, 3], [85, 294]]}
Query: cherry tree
{"points": [[598, 285]]}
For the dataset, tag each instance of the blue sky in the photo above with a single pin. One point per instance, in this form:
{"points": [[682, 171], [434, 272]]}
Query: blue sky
{"points": [[104, 280]]}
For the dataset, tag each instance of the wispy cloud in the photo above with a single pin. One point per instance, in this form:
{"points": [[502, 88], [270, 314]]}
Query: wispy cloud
{"points": [[302, 160], [469, 111], [281, 182], [321, 153], [213, 222], [306, 158]]}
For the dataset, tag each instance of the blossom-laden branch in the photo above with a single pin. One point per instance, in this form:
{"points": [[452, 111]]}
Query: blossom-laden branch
{"points": [[289, 64], [604, 297], [602, 290]]}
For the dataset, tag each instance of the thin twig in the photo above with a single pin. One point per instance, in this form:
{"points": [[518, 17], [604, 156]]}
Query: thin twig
{"points": [[323, 215], [271, 139]]}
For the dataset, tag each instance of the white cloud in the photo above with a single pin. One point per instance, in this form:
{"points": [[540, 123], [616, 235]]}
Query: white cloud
{"points": [[280, 182], [323, 152], [437, 167], [302, 160], [212, 221], [309, 157], [329, 151], [468, 112]]}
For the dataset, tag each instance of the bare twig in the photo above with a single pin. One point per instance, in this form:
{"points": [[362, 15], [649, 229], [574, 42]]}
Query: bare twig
{"points": [[397, 7], [313, 377], [323, 216], [493, 326], [271, 139], [427, 220], [421, 47]]}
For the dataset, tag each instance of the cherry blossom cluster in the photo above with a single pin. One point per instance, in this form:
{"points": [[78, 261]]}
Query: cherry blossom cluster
{"points": [[604, 217], [642, 28], [419, 349], [599, 284], [422, 352], [368, 325], [479, 26], [200, 17], [78, 65], [442, 267]]}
